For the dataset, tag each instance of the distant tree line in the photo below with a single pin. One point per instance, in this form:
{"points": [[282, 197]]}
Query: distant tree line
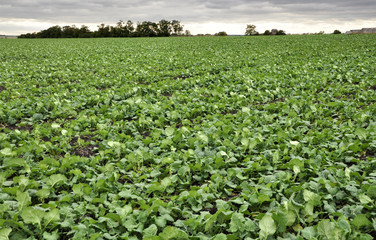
{"points": [[163, 28], [250, 30]]}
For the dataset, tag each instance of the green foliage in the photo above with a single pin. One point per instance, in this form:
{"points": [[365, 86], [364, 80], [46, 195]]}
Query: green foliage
{"points": [[163, 28], [220, 34], [250, 30], [188, 138]]}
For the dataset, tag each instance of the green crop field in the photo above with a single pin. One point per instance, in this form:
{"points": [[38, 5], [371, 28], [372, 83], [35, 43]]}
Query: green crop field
{"points": [[188, 138]]}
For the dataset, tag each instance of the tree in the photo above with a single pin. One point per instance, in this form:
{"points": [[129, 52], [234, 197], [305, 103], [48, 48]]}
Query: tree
{"points": [[121, 29], [177, 27], [267, 32], [281, 32], [250, 30], [337, 32], [221, 34], [147, 29], [187, 33], [117, 31], [52, 32], [164, 28], [103, 31], [128, 30], [70, 32], [84, 32]]}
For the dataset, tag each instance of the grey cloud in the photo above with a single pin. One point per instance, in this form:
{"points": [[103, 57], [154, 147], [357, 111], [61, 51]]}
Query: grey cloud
{"points": [[96, 11]]}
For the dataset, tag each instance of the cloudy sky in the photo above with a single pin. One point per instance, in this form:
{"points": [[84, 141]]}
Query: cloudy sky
{"points": [[198, 16]]}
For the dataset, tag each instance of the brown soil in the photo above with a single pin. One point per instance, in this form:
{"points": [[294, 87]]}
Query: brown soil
{"points": [[84, 151], [229, 112], [167, 94], [20, 128], [46, 139], [86, 138], [145, 134], [179, 77]]}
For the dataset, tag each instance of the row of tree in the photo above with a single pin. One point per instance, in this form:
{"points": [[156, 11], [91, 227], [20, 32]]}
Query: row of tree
{"points": [[163, 28], [250, 30]]}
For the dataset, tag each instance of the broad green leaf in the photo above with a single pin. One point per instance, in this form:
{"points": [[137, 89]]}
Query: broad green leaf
{"points": [[43, 193], [371, 192], [236, 223], [211, 221], [4, 233], [345, 225], [267, 226], [51, 236], [291, 217], [173, 233], [113, 144], [361, 133], [325, 228], [308, 195], [311, 197], [280, 219], [220, 236], [56, 178], [246, 110], [55, 125], [169, 131], [14, 162], [360, 221], [166, 182], [150, 231], [32, 216], [364, 199], [309, 232], [51, 216], [295, 143], [6, 152], [253, 143], [245, 141], [203, 138], [23, 200]]}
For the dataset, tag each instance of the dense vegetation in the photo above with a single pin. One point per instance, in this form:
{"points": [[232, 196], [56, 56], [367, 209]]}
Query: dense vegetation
{"points": [[163, 28], [188, 138]]}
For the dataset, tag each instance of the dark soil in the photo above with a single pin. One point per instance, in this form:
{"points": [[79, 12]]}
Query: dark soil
{"points": [[167, 94], [145, 134], [271, 101], [212, 210], [20, 128], [46, 139], [180, 77], [86, 138], [103, 88], [231, 197], [229, 112], [347, 95], [85, 151], [370, 154], [143, 83]]}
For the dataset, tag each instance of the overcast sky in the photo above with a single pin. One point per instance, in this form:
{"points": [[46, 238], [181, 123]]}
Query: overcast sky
{"points": [[198, 16]]}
